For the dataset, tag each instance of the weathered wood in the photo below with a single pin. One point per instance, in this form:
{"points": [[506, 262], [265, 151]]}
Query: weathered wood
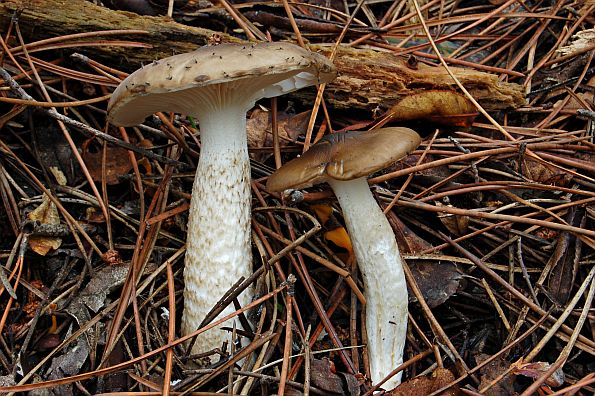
{"points": [[368, 79]]}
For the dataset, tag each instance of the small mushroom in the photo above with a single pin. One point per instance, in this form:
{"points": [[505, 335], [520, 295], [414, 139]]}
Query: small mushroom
{"points": [[217, 85], [344, 160]]}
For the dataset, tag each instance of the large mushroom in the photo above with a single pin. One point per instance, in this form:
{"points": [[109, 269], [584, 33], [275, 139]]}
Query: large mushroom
{"points": [[344, 160], [217, 85]]}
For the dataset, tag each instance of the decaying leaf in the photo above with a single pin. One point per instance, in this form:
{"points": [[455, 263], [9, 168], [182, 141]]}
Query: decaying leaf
{"points": [[580, 41], [104, 280], [259, 129], [440, 107], [117, 162], [543, 173], [573, 103], [46, 213], [408, 241], [69, 363], [324, 376], [456, 224], [425, 385], [565, 258], [493, 370], [437, 280], [537, 369]]}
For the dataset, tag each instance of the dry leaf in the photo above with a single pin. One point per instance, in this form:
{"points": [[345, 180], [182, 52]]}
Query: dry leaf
{"points": [[565, 258], [573, 103], [322, 211], [422, 386], [491, 371], [324, 376], [436, 280], [543, 173], [69, 363], [408, 241], [339, 237], [456, 224], [117, 162], [45, 213], [537, 369], [259, 129], [440, 107], [333, 231], [581, 41]]}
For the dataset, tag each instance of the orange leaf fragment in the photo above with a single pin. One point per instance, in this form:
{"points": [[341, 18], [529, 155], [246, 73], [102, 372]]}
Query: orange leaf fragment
{"points": [[339, 237], [323, 212]]}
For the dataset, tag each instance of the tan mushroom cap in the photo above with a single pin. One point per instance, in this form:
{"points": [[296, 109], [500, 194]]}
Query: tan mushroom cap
{"points": [[171, 84], [345, 156]]}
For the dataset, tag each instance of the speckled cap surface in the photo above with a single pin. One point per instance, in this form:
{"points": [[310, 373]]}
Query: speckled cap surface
{"points": [[345, 156], [170, 84]]}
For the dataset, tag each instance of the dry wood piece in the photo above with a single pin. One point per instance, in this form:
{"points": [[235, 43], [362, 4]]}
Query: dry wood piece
{"points": [[368, 79]]}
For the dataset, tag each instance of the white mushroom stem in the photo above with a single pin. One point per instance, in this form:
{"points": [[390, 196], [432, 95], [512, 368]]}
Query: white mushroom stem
{"points": [[380, 263], [218, 244]]}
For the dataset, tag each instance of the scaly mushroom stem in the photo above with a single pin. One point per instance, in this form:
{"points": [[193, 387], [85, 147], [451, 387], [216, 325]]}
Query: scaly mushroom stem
{"points": [[385, 289], [218, 244]]}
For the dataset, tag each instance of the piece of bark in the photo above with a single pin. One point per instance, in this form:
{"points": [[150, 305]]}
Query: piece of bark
{"points": [[368, 79]]}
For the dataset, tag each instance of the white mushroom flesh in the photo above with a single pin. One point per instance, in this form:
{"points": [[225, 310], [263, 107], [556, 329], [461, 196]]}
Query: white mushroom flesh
{"points": [[385, 288]]}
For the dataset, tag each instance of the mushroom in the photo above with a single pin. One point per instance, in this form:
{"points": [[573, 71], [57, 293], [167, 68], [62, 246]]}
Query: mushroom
{"points": [[343, 160], [217, 85]]}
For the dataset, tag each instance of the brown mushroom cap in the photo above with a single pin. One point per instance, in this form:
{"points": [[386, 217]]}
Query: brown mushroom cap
{"points": [[345, 156], [178, 83]]}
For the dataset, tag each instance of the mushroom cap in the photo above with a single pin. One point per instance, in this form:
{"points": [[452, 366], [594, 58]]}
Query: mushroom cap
{"points": [[345, 156], [178, 83]]}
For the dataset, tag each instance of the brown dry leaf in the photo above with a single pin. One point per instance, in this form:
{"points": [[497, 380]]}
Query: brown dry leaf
{"points": [[573, 103], [440, 107], [48, 341], [46, 213], [565, 258], [436, 280], [94, 215], [539, 172], [323, 375], [456, 224], [259, 129], [425, 385], [408, 241], [491, 371], [117, 162], [537, 369]]}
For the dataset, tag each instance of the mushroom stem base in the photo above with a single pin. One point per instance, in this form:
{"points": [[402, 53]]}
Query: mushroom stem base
{"points": [[385, 288]]}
